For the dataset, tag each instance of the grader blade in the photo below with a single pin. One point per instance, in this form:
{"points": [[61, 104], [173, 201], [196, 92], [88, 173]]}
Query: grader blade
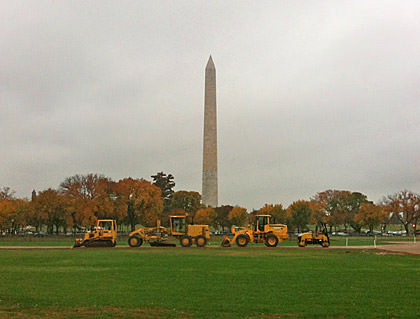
{"points": [[226, 242], [161, 244]]}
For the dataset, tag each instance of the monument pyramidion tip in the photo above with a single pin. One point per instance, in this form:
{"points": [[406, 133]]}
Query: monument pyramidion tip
{"points": [[210, 64]]}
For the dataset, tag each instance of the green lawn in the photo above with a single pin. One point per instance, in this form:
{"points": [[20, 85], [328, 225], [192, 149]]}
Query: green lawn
{"points": [[208, 283], [214, 241]]}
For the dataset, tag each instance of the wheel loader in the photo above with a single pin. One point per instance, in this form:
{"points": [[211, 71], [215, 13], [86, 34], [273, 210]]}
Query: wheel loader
{"points": [[159, 235], [103, 235], [261, 232], [315, 238]]}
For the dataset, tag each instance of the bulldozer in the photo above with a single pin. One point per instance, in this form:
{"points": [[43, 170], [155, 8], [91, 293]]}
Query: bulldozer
{"points": [[103, 235], [315, 238], [261, 232], [159, 235]]}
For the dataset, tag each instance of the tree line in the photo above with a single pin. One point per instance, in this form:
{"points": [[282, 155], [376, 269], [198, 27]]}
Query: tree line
{"points": [[82, 199]]}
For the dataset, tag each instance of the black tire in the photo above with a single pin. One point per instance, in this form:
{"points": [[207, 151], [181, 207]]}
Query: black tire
{"points": [[185, 241], [242, 240], [271, 240], [201, 241], [135, 241]]}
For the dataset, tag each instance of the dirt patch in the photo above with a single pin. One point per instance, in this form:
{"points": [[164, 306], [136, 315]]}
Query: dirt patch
{"points": [[383, 253], [402, 248]]}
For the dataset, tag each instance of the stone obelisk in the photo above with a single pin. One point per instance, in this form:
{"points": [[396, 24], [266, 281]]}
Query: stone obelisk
{"points": [[209, 190]]}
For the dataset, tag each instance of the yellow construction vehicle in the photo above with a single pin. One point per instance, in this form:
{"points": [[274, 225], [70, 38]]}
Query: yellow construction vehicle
{"points": [[103, 235], [158, 236], [315, 238], [261, 232], [189, 234], [155, 236]]}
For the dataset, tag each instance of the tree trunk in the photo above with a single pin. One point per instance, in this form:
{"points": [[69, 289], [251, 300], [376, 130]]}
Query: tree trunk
{"points": [[406, 228]]}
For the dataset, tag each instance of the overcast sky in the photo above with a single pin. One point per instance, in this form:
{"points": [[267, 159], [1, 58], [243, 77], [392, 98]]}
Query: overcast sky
{"points": [[312, 95]]}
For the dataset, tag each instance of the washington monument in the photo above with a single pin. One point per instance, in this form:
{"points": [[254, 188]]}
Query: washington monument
{"points": [[209, 190]]}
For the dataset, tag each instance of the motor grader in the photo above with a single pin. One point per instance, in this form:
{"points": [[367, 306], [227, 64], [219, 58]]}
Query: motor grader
{"points": [[315, 238], [103, 235], [261, 232], [155, 236], [158, 236]]}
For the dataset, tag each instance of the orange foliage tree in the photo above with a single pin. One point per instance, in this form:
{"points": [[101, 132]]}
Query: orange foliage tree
{"points": [[205, 216], [238, 216], [7, 209], [52, 208], [277, 211], [89, 197], [405, 206], [142, 201], [370, 215], [322, 212]]}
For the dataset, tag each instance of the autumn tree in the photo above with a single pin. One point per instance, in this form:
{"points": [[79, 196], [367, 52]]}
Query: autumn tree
{"points": [[90, 197], [276, 211], [52, 208], [188, 201], [238, 216], [14, 214], [166, 184], [7, 193], [222, 216], [370, 215], [23, 212], [86, 186], [142, 201], [34, 217], [319, 205], [338, 207], [344, 207], [319, 214], [300, 214], [205, 216], [326, 196], [405, 206], [7, 208]]}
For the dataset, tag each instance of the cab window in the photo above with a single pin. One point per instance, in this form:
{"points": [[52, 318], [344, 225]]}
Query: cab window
{"points": [[179, 225], [262, 221]]}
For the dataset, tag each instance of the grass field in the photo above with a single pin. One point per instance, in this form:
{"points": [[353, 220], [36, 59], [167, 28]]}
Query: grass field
{"points": [[208, 283], [215, 241]]}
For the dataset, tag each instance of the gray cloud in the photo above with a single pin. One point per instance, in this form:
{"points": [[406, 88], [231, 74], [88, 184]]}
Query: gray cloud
{"points": [[311, 96]]}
